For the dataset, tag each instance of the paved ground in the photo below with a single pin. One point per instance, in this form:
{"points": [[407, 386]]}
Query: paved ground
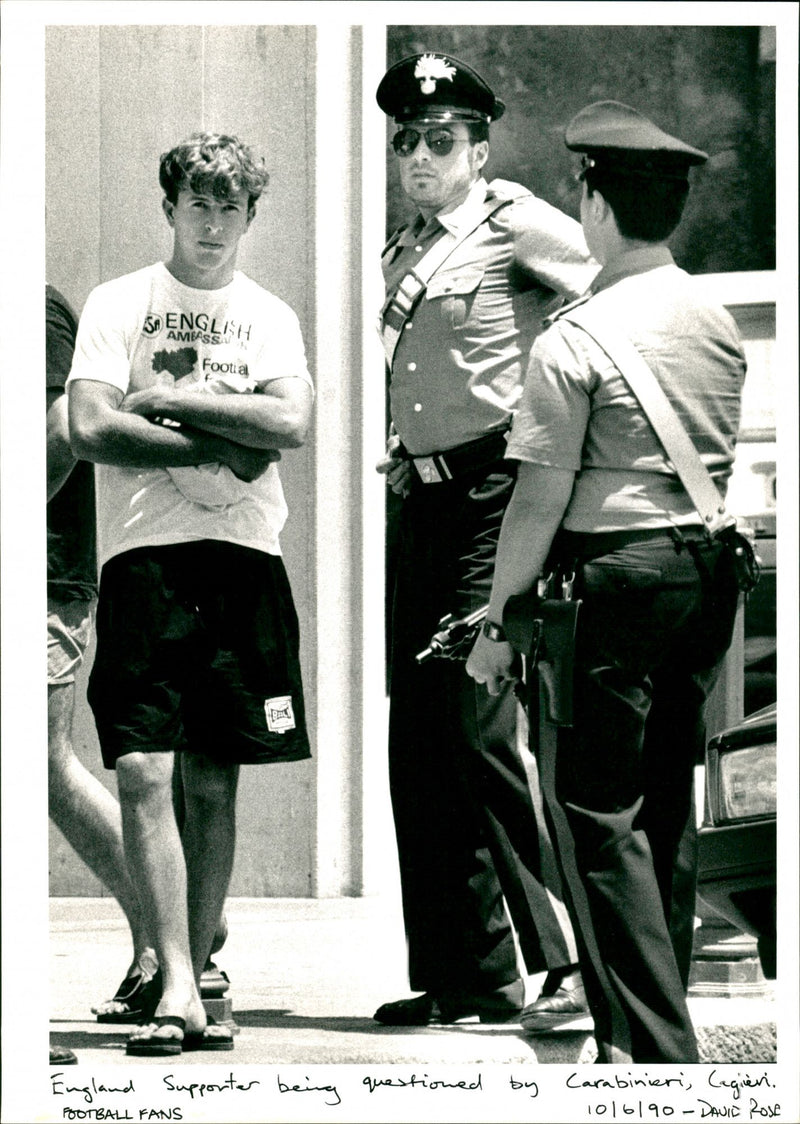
{"points": [[306, 977]]}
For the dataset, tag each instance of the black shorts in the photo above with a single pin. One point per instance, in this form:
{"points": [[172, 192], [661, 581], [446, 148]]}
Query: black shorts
{"points": [[197, 650]]}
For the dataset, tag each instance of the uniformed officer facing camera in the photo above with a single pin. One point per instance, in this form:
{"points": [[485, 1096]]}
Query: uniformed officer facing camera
{"points": [[468, 281], [597, 494]]}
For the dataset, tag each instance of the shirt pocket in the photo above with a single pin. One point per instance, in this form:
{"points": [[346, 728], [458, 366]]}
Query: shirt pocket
{"points": [[455, 290]]}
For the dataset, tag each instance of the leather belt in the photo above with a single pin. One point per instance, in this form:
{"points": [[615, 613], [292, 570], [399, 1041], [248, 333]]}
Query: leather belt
{"points": [[585, 543], [436, 468]]}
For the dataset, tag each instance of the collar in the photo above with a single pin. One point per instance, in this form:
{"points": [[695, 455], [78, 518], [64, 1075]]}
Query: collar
{"points": [[457, 219], [631, 262], [454, 220], [411, 233]]}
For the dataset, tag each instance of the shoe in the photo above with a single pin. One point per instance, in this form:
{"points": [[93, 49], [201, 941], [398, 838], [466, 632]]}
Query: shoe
{"points": [[214, 1037], [60, 1055], [151, 1046], [562, 1000], [419, 1011], [138, 995], [500, 1006]]}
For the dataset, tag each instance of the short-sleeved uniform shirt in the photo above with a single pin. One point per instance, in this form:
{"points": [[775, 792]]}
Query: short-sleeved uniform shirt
{"points": [[146, 324], [71, 561], [459, 364], [578, 413]]}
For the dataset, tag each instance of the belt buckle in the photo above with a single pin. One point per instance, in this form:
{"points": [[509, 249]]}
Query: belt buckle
{"points": [[427, 470]]}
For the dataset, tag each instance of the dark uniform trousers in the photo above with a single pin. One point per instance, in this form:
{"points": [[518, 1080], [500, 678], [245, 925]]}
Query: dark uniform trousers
{"points": [[464, 800], [656, 620]]}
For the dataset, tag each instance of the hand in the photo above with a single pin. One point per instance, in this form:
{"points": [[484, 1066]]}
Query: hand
{"points": [[395, 467], [246, 463], [491, 662], [149, 403]]}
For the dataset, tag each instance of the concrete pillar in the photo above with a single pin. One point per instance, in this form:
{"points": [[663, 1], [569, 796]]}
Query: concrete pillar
{"points": [[353, 842]]}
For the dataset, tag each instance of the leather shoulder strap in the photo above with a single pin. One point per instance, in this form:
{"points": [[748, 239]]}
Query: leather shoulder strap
{"points": [[400, 303], [680, 449]]}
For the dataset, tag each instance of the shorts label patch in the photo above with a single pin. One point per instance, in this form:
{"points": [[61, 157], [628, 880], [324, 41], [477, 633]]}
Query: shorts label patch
{"points": [[280, 714]]}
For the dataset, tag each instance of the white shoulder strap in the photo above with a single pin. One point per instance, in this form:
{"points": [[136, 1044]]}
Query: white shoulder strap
{"points": [[401, 301], [679, 447]]}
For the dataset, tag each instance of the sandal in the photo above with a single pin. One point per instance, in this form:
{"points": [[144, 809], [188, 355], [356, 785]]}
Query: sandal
{"points": [[214, 1037], [151, 1046], [139, 994]]}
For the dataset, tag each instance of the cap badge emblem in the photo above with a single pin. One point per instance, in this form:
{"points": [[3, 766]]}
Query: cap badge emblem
{"points": [[430, 69]]}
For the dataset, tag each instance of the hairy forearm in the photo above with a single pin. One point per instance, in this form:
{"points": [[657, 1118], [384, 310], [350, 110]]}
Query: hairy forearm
{"points": [[260, 421], [529, 526], [128, 440], [530, 523]]}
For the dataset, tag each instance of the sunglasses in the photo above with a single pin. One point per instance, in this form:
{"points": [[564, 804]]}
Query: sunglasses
{"points": [[586, 163], [440, 141]]}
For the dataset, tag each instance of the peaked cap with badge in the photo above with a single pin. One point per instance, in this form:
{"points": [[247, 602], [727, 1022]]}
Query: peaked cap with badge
{"points": [[436, 87], [618, 140]]}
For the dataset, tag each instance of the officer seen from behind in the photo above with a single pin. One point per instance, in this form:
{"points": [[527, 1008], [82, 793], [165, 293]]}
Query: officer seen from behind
{"points": [[596, 493]]}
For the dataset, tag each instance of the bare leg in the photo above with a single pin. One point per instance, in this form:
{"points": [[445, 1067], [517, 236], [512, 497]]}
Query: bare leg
{"points": [[89, 818], [209, 840], [155, 860], [179, 802]]}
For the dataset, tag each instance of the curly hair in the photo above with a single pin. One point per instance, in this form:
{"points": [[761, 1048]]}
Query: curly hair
{"points": [[214, 164]]}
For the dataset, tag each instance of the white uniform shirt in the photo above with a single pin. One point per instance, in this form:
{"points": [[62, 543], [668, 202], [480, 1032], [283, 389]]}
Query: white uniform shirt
{"points": [[578, 413], [460, 361]]}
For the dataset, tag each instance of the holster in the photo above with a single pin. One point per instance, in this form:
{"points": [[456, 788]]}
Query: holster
{"points": [[543, 631], [745, 562]]}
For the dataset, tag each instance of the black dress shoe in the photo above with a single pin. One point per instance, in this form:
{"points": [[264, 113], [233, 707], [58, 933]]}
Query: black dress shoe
{"points": [[419, 1011], [500, 1006], [561, 1002]]}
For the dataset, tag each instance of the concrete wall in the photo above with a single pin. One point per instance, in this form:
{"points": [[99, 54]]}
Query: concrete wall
{"points": [[116, 98]]}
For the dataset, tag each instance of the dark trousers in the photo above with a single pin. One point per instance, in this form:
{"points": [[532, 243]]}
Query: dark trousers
{"points": [[464, 797], [656, 620]]}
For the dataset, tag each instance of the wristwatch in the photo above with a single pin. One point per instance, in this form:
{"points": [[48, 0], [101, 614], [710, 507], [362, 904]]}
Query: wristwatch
{"points": [[493, 631]]}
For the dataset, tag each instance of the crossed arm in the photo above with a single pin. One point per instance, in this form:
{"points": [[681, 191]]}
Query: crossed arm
{"points": [[242, 431], [274, 417]]}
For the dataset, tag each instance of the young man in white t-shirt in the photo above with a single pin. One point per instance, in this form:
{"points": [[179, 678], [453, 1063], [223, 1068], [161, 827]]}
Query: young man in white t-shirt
{"points": [[197, 646]]}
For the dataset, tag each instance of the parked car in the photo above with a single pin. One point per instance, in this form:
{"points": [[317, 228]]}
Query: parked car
{"points": [[752, 497], [737, 860], [738, 836]]}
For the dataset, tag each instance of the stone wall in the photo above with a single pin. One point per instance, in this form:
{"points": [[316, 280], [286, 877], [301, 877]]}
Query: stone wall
{"points": [[712, 86]]}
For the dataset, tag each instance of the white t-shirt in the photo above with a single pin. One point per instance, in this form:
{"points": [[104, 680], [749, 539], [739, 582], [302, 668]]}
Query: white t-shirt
{"points": [[212, 485], [137, 327]]}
